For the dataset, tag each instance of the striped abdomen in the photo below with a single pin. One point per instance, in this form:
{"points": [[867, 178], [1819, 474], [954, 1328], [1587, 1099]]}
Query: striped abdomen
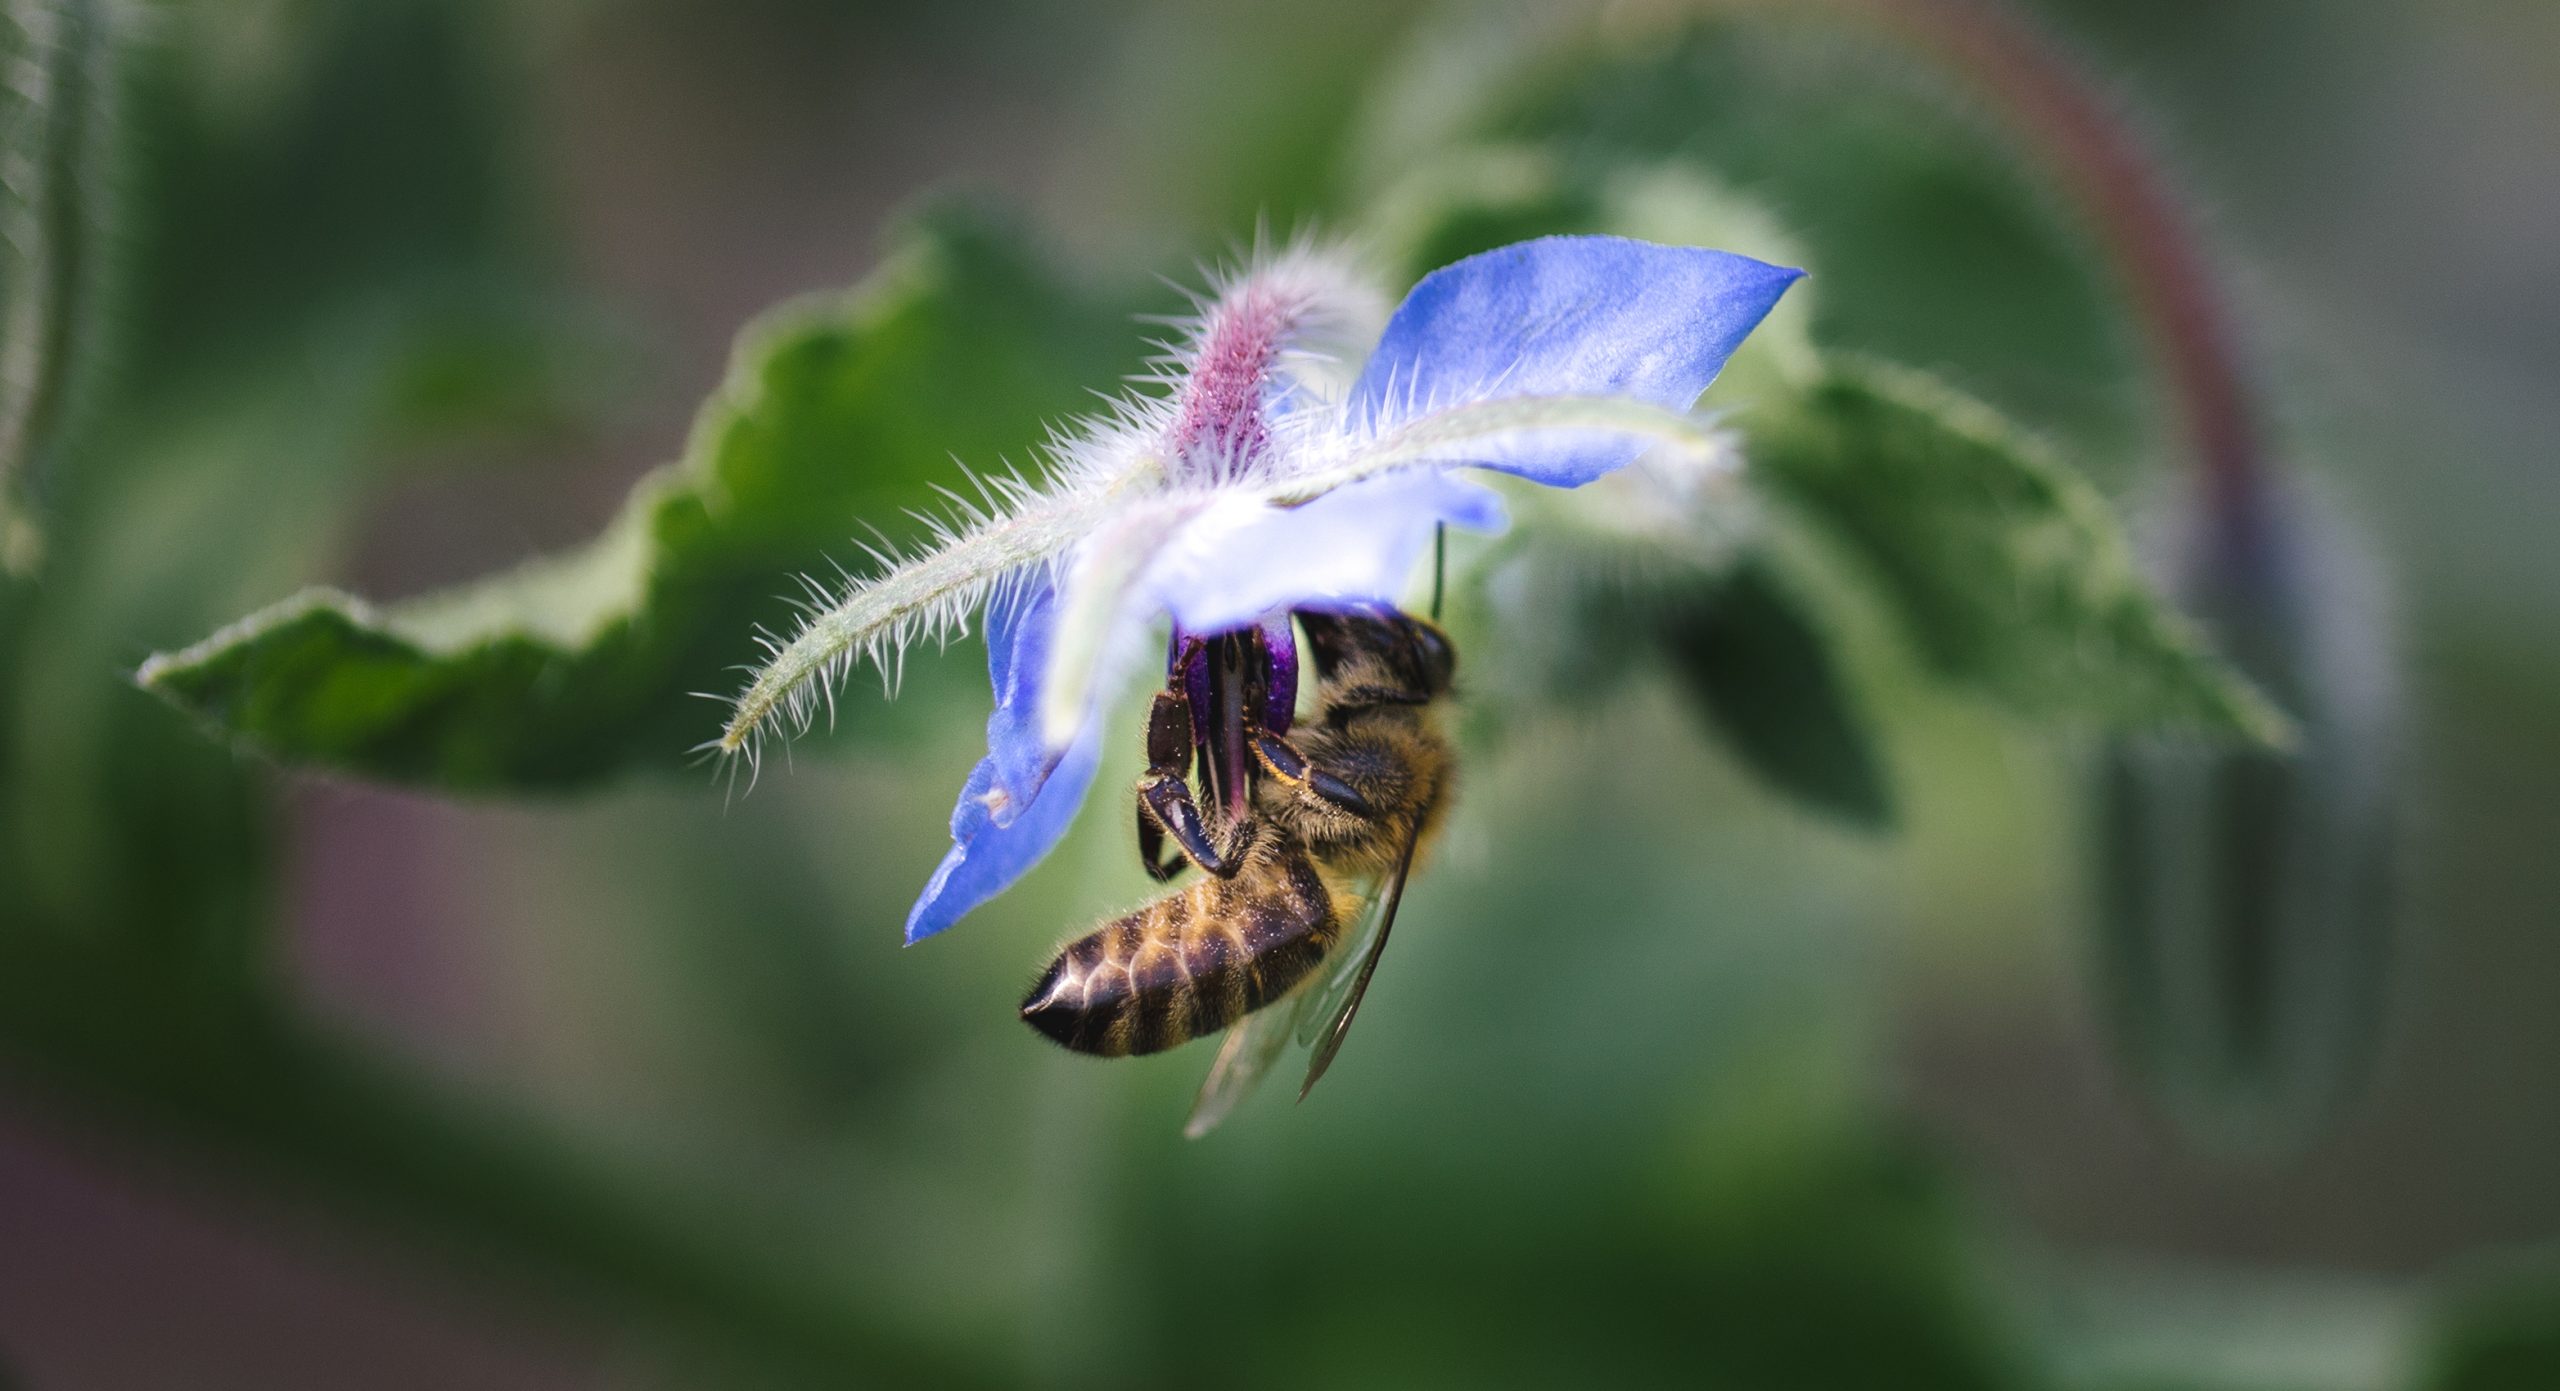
{"points": [[1192, 962]]}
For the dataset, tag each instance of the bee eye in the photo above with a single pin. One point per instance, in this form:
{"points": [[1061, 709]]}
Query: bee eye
{"points": [[1439, 656]]}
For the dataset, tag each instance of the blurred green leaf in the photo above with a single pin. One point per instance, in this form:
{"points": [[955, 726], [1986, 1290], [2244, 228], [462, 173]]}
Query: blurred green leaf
{"points": [[1927, 243], [836, 411], [220, 454], [2501, 1337], [2005, 569], [1846, 1268], [368, 299], [1762, 671], [320, 154], [59, 83]]}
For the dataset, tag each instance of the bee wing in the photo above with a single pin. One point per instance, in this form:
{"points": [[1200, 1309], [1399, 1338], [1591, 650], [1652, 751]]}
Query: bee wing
{"points": [[1318, 1013], [1250, 1049], [1254, 1045], [1321, 1002], [1338, 1018]]}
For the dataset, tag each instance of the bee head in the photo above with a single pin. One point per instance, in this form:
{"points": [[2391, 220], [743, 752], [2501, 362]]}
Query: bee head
{"points": [[1403, 650], [1434, 657]]}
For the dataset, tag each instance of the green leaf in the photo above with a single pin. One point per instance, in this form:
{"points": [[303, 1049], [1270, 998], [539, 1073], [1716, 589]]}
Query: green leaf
{"points": [[1762, 672], [353, 151], [209, 469], [2005, 570], [836, 411], [1928, 241], [58, 120], [2502, 1333]]}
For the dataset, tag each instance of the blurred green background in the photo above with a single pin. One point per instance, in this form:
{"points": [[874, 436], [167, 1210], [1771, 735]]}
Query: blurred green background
{"points": [[310, 1081]]}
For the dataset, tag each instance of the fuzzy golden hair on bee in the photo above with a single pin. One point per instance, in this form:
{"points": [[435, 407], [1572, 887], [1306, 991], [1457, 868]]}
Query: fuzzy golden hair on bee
{"points": [[1193, 961], [1334, 819]]}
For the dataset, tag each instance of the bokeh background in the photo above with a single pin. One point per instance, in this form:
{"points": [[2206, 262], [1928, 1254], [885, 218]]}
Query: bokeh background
{"points": [[1667, 1082]]}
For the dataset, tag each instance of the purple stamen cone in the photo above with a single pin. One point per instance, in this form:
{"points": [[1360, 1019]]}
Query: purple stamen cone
{"points": [[1280, 683], [1191, 668]]}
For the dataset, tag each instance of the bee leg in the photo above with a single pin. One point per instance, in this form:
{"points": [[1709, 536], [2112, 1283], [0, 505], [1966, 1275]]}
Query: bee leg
{"points": [[1166, 800], [1282, 760], [1160, 866], [1165, 805], [1168, 750]]}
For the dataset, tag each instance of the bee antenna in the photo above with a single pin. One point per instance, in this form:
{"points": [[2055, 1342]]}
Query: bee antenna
{"points": [[1439, 565]]}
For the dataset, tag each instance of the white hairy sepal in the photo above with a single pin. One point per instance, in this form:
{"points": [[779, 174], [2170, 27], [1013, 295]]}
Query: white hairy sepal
{"points": [[1115, 526], [1102, 606], [1453, 436], [1114, 461]]}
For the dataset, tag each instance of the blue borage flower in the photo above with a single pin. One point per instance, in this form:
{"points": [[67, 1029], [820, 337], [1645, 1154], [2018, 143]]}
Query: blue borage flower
{"points": [[1262, 478]]}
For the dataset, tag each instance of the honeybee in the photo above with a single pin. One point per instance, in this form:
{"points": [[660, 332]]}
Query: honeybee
{"points": [[1301, 838]]}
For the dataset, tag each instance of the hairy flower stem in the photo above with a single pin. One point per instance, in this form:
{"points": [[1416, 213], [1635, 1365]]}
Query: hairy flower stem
{"points": [[880, 614]]}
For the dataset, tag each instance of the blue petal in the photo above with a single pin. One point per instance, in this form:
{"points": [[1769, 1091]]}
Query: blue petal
{"points": [[1019, 626], [1021, 797], [1567, 315], [987, 858], [1354, 547]]}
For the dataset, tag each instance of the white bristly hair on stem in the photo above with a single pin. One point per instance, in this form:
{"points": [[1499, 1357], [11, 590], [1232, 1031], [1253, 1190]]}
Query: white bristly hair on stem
{"points": [[1313, 300], [929, 595]]}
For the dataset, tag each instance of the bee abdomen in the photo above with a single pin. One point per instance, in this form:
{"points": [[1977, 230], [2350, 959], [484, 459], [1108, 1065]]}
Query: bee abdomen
{"points": [[1189, 964]]}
